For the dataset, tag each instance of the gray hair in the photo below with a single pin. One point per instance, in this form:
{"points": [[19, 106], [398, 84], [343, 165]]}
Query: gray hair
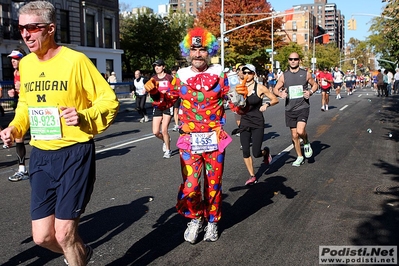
{"points": [[42, 9]]}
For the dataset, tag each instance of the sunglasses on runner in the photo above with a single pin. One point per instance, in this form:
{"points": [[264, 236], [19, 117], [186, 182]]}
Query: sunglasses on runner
{"points": [[293, 59], [33, 27], [248, 72]]}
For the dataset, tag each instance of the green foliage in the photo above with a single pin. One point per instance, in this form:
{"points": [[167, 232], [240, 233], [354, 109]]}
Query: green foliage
{"points": [[384, 40], [284, 53], [327, 56], [148, 37]]}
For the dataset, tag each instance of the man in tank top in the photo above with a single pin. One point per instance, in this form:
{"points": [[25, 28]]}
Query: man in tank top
{"points": [[293, 87]]}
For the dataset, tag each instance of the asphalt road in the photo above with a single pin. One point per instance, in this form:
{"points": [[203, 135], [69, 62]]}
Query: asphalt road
{"points": [[330, 200]]}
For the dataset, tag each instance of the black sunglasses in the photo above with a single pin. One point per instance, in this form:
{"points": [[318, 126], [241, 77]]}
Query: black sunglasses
{"points": [[293, 59], [248, 72], [32, 27]]}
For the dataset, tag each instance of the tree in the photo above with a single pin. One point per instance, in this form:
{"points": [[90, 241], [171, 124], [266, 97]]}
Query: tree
{"points": [[245, 44], [147, 37], [384, 41], [284, 53]]}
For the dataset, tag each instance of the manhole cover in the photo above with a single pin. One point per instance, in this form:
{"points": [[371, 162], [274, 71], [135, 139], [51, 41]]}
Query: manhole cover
{"points": [[386, 189]]}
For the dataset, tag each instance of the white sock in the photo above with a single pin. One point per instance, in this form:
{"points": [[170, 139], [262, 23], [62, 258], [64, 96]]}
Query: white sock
{"points": [[21, 168]]}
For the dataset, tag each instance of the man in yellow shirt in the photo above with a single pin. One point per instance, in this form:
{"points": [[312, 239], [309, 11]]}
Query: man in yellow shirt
{"points": [[65, 101]]}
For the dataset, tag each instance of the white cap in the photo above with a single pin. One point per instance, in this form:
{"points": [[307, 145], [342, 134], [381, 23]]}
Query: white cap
{"points": [[250, 67]]}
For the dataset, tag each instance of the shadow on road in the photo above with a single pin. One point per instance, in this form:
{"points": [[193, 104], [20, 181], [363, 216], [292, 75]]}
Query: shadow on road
{"points": [[382, 229], [167, 235], [257, 197]]}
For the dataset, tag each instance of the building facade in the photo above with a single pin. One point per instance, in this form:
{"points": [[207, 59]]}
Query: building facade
{"points": [[91, 27], [328, 17]]}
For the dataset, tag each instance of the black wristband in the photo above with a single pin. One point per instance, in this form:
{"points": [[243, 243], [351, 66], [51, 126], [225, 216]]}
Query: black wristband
{"points": [[268, 104]]}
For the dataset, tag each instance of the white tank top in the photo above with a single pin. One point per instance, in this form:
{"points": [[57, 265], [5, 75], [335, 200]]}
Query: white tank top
{"points": [[140, 90]]}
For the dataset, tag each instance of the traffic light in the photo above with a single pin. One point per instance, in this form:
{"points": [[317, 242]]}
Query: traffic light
{"points": [[352, 24]]}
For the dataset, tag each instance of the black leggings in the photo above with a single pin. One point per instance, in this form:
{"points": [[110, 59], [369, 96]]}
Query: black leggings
{"points": [[140, 104], [256, 134]]}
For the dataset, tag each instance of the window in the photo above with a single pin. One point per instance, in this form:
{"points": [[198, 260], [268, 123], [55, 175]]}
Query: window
{"points": [[64, 26], [306, 36], [294, 37], [109, 66], [90, 31], [294, 25], [94, 60], [306, 24], [108, 33]]}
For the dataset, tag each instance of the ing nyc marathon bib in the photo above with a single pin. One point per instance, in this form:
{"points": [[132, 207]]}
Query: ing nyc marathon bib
{"points": [[44, 123], [204, 142], [295, 92]]}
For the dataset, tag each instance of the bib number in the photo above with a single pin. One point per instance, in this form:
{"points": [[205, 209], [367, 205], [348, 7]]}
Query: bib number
{"points": [[203, 142], [44, 123], [295, 92]]}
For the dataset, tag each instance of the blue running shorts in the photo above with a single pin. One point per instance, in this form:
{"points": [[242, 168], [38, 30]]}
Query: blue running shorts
{"points": [[62, 180]]}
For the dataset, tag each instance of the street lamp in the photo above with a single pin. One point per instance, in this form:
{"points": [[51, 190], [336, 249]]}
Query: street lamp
{"points": [[272, 56], [314, 51], [223, 32]]}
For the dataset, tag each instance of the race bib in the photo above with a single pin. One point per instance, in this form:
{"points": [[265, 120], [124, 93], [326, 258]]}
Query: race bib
{"points": [[163, 86], [323, 82], [204, 142], [295, 92], [44, 123]]}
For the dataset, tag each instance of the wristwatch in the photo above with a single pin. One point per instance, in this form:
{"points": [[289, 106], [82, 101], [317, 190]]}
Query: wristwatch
{"points": [[268, 104]]}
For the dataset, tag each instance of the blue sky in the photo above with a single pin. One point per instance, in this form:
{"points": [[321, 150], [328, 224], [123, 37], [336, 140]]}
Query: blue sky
{"points": [[347, 7]]}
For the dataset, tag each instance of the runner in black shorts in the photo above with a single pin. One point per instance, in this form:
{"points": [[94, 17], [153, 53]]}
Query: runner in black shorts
{"points": [[161, 119], [293, 86]]}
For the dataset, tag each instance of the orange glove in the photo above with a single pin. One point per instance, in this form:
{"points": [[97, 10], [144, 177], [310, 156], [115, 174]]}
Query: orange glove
{"points": [[151, 86], [242, 88]]}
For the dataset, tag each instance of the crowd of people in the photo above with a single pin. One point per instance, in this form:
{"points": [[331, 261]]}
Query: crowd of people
{"points": [[193, 96]]}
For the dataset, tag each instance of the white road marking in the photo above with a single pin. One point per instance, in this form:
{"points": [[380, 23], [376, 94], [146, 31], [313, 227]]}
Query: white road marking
{"points": [[125, 143], [343, 107]]}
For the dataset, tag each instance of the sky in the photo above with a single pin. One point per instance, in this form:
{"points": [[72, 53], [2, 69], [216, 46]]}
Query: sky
{"points": [[360, 10]]}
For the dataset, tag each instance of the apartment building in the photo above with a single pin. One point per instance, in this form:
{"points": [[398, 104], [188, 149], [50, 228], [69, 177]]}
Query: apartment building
{"points": [[328, 17], [188, 6], [90, 26]]}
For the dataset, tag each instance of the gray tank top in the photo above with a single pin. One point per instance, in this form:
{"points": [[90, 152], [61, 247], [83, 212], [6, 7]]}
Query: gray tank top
{"points": [[296, 83]]}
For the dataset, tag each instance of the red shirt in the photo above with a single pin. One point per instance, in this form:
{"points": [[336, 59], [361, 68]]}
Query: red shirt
{"points": [[325, 80]]}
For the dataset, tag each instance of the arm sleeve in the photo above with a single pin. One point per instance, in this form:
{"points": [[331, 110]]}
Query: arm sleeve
{"points": [[104, 104]]}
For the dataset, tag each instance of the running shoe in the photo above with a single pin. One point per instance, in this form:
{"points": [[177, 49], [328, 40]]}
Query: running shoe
{"points": [[267, 158], [307, 150], [252, 180], [211, 232], [175, 128], [142, 120], [299, 161], [164, 145], [167, 154], [326, 107], [191, 233], [89, 254], [18, 176], [146, 119]]}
